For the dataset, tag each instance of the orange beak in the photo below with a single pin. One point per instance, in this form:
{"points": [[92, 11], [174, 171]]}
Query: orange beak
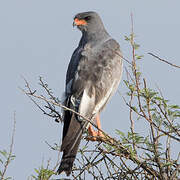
{"points": [[78, 22]]}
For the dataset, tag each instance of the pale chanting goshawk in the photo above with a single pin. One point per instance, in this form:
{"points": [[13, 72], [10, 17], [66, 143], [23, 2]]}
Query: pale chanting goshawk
{"points": [[93, 76]]}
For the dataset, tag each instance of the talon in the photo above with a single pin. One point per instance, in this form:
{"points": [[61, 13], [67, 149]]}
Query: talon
{"points": [[100, 134]]}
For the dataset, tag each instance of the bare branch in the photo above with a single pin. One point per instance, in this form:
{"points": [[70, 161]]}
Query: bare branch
{"points": [[9, 158], [163, 60]]}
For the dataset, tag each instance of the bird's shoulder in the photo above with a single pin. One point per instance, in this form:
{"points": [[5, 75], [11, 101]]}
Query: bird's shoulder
{"points": [[109, 45], [106, 49]]}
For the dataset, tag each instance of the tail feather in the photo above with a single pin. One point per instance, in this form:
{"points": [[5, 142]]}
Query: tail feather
{"points": [[74, 127], [70, 145], [68, 159]]}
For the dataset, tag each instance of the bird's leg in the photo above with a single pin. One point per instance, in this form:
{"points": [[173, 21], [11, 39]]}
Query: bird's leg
{"points": [[99, 133], [92, 132]]}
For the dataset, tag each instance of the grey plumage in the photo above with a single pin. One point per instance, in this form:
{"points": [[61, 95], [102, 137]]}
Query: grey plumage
{"points": [[93, 75]]}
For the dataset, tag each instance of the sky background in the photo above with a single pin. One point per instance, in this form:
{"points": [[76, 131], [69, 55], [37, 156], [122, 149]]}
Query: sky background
{"points": [[37, 39]]}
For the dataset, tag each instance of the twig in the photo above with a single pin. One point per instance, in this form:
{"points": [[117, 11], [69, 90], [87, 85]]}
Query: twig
{"points": [[45, 86], [11, 149], [29, 94], [163, 60], [108, 140], [155, 139]]}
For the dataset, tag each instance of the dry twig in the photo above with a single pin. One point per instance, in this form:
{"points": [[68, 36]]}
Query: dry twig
{"points": [[163, 60]]}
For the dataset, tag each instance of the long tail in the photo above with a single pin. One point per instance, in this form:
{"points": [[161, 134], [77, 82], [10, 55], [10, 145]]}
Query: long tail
{"points": [[70, 145], [73, 129]]}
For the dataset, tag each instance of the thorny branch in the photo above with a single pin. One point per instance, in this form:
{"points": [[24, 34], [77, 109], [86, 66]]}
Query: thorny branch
{"points": [[145, 167], [122, 151], [144, 102]]}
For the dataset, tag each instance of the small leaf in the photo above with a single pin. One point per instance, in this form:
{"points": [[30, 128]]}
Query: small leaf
{"points": [[127, 38], [134, 108], [167, 164], [1, 161], [84, 148], [107, 147], [4, 153], [158, 98], [37, 171], [138, 74], [138, 57], [120, 133], [136, 46], [174, 106], [127, 83]]}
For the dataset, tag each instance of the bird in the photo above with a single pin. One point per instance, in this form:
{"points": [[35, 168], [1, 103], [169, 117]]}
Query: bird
{"points": [[93, 75]]}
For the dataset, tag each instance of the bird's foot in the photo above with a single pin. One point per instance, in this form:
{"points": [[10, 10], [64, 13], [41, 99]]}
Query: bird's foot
{"points": [[94, 135]]}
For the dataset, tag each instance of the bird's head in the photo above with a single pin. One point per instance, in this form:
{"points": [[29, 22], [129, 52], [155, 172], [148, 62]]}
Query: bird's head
{"points": [[88, 21]]}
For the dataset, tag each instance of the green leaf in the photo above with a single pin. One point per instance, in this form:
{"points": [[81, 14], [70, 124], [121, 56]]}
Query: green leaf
{"points": [[132, 88], [107, 147], [36, 170], [134, 108], [127, 38], [120, 133], [136, 46], [4, 153], [84, 148], [128, 146], [167, 164], [138, 57], [158, 98], [152, 94], [1, 161], [138, 74], [126, 83], [174, 106]]}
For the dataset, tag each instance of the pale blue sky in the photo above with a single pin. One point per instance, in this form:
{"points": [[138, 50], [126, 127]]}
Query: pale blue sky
{"points": [[37, 39]]}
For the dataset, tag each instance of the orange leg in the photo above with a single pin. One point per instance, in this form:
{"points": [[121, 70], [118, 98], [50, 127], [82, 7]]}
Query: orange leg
{"points": [[92, 132], [99, 125]]}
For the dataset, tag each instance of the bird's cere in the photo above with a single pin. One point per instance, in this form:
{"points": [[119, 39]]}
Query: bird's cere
{"points": [[79, 22]]}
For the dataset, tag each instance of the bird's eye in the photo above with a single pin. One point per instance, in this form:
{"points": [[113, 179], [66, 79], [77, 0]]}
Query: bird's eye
{"points": [[87, 18]]}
